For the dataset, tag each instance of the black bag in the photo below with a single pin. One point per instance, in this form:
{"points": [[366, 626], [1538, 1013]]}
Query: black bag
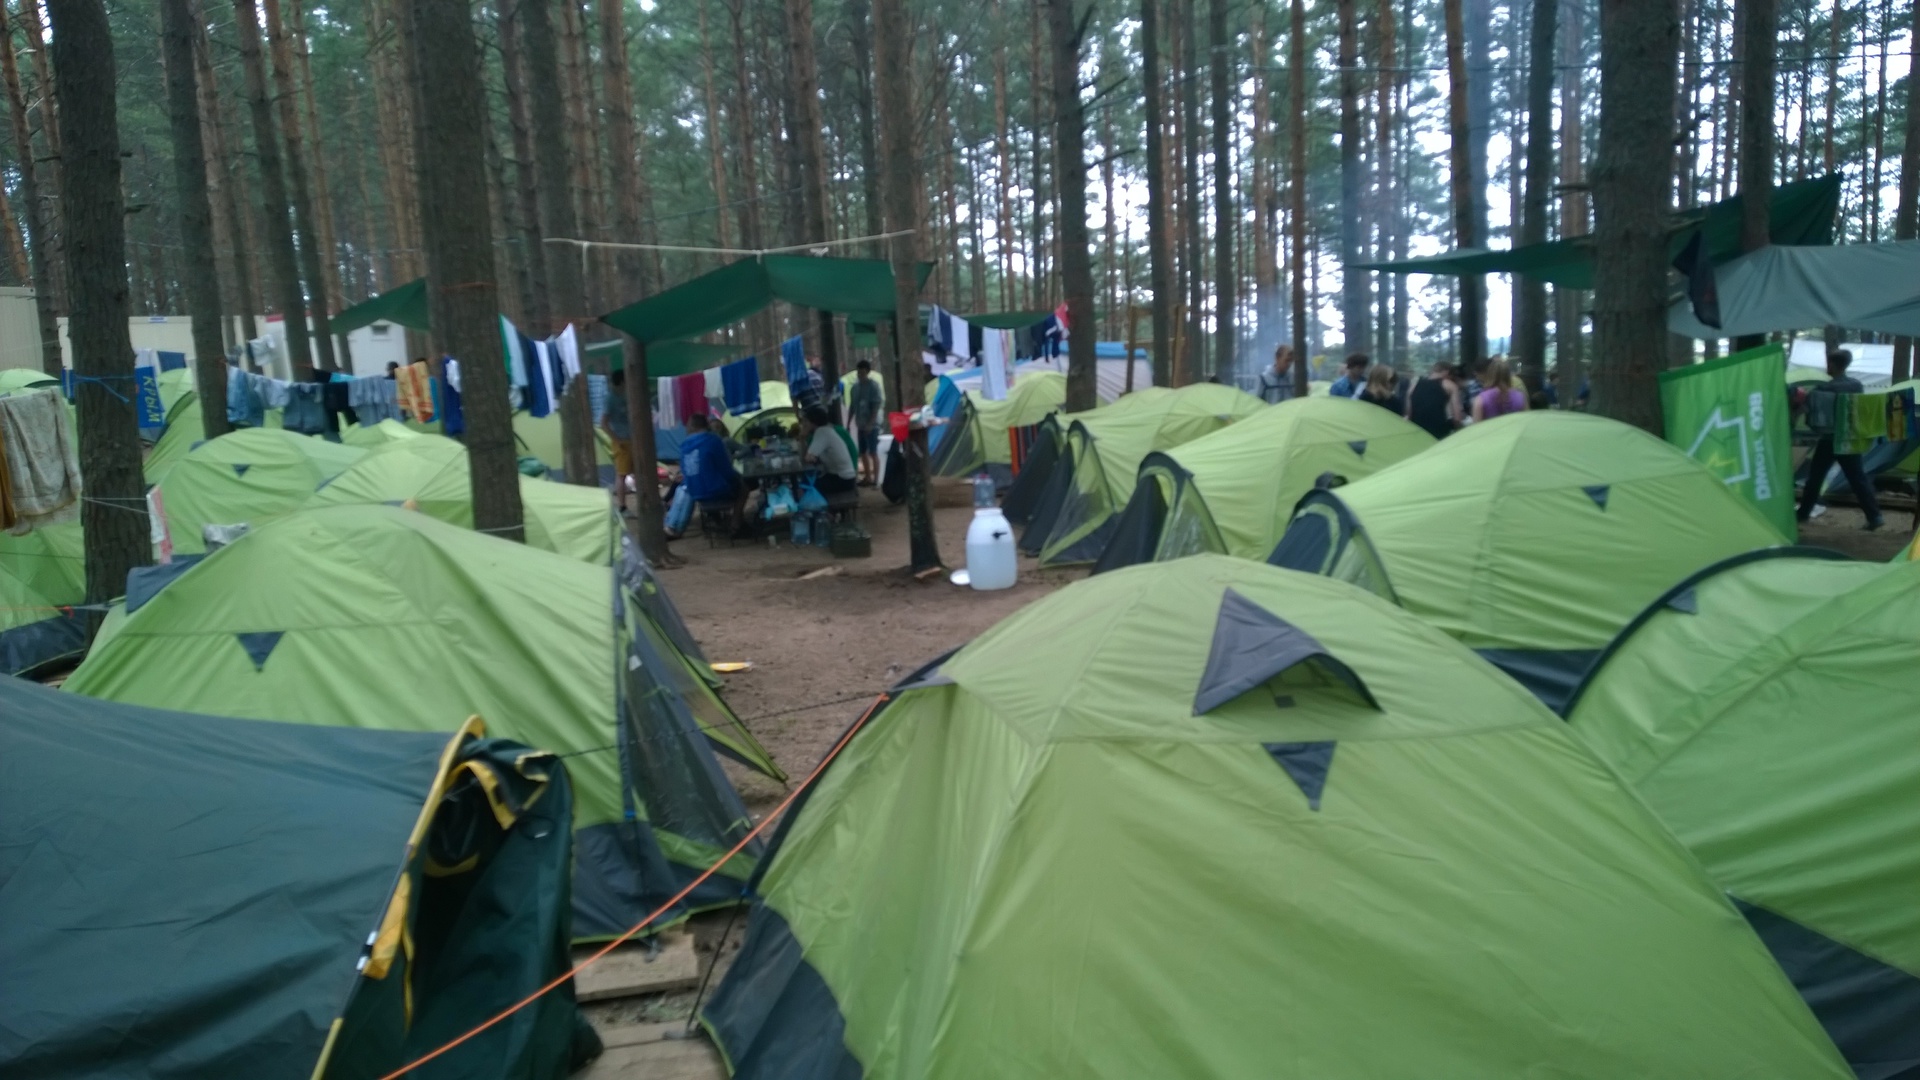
{"points": [[894, 485]]}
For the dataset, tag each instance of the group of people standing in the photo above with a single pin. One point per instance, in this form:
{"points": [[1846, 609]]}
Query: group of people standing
{"points": [[1440, 402]]}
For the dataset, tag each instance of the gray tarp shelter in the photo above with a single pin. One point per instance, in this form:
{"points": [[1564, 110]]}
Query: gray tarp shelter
{"points": [[1800, 213], [1857, 286]]}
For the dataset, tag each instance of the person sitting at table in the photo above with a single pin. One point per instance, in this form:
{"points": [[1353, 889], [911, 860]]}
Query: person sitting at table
{"points": [[830, 450], [707, 469]]}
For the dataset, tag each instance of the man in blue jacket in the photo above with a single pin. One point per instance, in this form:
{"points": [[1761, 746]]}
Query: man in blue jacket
{"points": [[706, 468]]}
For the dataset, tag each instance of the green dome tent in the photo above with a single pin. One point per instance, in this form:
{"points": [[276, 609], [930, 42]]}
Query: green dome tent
{"points": [[174, 385], [977, 434], [43, 574], [14, 380], [1207, 818], [370, 436], [1101, 459], [540, 437], [372, 616], [1532, 538], [1764, 709], [192, 895], [185, 430], [250, 476], [1233, 491], [431, 473]]}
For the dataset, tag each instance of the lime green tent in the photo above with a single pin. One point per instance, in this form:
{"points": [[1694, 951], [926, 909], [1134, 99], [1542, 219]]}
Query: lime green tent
{"points": [[377, 617], [249, 476], [1532, 538], [1233, 491], [430, 473], [977, 434], [1764, 709], [174, 385], [186, 430], [775, 399], [43, 574], [369, 436], [1102, 458], [540, 437], [1031, 495], [1207, 818], [14, 380]]}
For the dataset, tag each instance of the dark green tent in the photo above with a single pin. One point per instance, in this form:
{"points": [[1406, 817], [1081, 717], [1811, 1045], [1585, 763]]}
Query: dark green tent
{"points": [[861, 289], [204, 897], [1800, 213], [405, 304]]}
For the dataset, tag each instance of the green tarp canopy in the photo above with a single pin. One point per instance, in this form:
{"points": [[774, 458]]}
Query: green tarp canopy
{"points": [[1532, 538], [406, 305], [230, 899], [860, 289], [993, 320], [1403, 864], [1232, 492], [1763, 709], [379, 617], [669, 357], [1800, 214]]}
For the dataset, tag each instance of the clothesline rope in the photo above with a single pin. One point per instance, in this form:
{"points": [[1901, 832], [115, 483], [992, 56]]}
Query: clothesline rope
{"points": [[586, 245]]}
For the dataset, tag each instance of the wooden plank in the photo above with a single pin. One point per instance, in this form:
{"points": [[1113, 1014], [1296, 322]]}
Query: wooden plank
{"points": [[639, 1033], [628, 970], [668, 1059]]}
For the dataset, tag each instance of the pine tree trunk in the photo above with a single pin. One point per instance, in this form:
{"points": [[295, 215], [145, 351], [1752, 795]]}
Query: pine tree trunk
{"points": [[459, 246], [716, 152], [1478, 70], [860, 30], [114, 513], [1639, 42], [1383, 162], [623, 172], [39, 214], [1355, 303], [1266, 301], [1225, 108], [1297, 189], [1906, 217], [1070, 141], [1003, 176], [1760, 23], [649, 515], [1193, 361], [805, 87], [46, 98], [223, 185], [1568, 316], [286, 271], [526, 202], [312, 256], [16, 244], [322, 190], [894, 89], [1159, 253], [1466, 233], [1530, 294], [202, 277], [552, 162]]}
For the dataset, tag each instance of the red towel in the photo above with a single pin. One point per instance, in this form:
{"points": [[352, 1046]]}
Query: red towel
{"points": [[690, 394]]}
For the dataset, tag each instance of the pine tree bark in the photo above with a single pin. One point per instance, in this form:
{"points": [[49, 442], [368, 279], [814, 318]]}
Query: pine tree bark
{"points": [[322, 189], [1193, 359], [553, 161], [313, 256], [1906, 216], [273, 189], [16, 244], [39, 214], [1265, 258], [526, 215], [1383, 159], [1070, 151], [860, 30], [202, 277], [1297, 189], [1159, 250], [805, 75], [45, 96], [456, 229], [1226, 273], [894, 89], [1639, 41], [1466, 233], [623, 171], [1530, 294], [223, 185], [716, 152], [1760, 25], [1356, 305], [1569, 336], [114, 513]]}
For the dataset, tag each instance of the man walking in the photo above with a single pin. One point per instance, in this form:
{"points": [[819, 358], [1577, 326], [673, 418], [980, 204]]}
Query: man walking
{"points": [[865, 403], [1824, 458]]}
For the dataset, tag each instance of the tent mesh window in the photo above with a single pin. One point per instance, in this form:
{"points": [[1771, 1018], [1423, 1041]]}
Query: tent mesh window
{"points": [[1086, 504], [1189, 529], [960, 452]]}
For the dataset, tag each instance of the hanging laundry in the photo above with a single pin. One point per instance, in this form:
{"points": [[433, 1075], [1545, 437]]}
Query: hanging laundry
{"points": [[305, 414], [566, 346], [597, 390], [415, 393], [540, 399], [514, 343], [453, 417], [691, 396], [244, 407], [374, 399], [666, 405], [42, 460], [740, 386], [793, 356], [333, 396], [272, 392], [993, 363], [716, 389]]}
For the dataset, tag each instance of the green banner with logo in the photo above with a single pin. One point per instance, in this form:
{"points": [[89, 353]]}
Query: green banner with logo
{"points": [[1731, 416]]}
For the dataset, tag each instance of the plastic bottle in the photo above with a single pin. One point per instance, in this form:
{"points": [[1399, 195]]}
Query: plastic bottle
{"points": [[991, 563]]}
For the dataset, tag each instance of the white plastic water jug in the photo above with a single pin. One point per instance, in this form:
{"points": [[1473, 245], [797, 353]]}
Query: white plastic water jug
{"points": [[990, 556]]}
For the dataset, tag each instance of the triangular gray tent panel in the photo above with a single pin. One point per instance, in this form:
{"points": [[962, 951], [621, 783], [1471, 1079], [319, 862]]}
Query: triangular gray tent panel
{"points": [[1598, 493], [240, 467], [1359, 447], [145, 582], [259, 646], [1685, 601], [1308, 763], [1870, 1008], [1252, 645]]}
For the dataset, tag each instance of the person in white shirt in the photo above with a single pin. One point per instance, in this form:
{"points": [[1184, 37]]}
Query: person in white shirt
{"points": [[829, 447], [1276, 382]]}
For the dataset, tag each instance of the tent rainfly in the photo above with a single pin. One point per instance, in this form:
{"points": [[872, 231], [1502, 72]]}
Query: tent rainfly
{"points": [[861, 289], [1763, 709], [1532, 538], [1404, 866], [42, 577], [246, 477], [237, 900], [1859, 286], [977, 435], [1800, 213], [1233, 491], [452, 623]]}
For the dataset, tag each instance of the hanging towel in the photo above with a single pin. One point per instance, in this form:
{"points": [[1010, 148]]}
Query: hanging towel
{"points": [[271, 392], [567, 344], [42, 458], [715, 390], [740, 386], [993, 364], [374, 399], [540, 396], [453, 419], [512, 342], [306, 414], [666, 407], [597, 390], [243, 403], [692, 395], [793, 356], [415, 393]]}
